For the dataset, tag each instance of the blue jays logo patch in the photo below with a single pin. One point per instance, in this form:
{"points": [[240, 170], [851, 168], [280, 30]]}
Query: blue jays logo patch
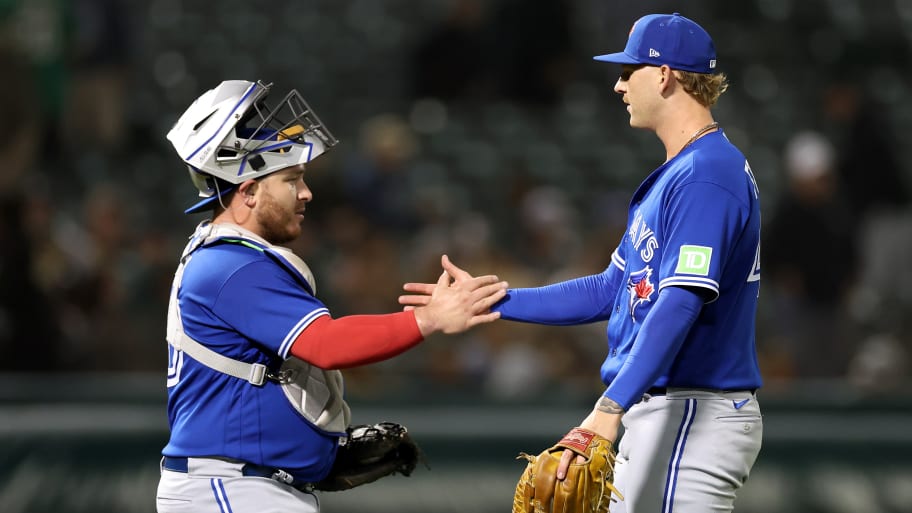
{"points": [[640, 288]]}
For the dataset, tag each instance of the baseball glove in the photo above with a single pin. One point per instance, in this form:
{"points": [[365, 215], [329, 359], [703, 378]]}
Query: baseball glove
{"points": [[587, 487], [372, 452]]}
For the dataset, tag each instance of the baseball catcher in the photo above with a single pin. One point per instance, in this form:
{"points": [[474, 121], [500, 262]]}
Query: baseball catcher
{"points": [[256, 409], [588, 486], [372, 452]]}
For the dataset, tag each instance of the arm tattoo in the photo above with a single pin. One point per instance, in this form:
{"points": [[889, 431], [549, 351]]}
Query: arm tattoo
{"points": [[606, 405]]}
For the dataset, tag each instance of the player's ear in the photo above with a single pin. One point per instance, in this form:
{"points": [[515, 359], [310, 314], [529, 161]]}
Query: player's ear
{"points": [[666, 78], [248, 189]]}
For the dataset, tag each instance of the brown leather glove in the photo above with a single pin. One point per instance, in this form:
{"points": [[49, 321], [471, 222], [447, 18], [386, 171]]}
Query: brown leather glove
{"points": [[587, 487]]}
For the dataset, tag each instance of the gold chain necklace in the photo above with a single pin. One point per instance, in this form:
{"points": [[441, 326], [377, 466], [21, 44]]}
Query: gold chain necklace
{"points": [[698, 133]]}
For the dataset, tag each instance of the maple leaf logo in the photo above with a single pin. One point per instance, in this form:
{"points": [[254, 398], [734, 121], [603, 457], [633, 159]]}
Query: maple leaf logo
{"points": [[640, 288]]}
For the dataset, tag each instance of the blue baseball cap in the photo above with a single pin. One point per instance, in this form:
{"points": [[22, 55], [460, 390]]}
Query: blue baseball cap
{"points": [[669, 39]]}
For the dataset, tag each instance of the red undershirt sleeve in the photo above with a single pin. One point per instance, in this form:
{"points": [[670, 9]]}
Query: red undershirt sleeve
{"points": [[356, 340]]}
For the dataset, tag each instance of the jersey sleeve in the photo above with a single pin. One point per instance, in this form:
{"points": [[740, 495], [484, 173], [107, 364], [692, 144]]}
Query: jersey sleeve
{"points": [[703, 221], [572, 302], [265, 303]]}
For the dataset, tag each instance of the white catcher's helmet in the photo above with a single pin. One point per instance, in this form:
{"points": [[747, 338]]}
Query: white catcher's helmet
{"points": [[230, 134]]}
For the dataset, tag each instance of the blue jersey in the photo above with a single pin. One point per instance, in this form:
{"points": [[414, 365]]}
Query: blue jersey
{"points": [[694, 222], [242, 303]]}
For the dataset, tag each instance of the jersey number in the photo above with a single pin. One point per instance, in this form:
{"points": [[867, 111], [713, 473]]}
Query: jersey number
{"points": [[755, 273]]}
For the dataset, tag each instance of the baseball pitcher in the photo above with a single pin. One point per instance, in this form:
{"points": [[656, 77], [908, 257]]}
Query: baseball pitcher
{"points": [[680, 298]]}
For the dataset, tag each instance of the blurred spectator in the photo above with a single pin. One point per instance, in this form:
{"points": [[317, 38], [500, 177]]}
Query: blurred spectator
{"points": [[810, 256], [378, 180], [868, 165], [21, 128], [40, 30], [883, 298], [550, 229], [110, 280], [29, 335], [451, 61], [99, 61], [880, 364], [878, 194]]}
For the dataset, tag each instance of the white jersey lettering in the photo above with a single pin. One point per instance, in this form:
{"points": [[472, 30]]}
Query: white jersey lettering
{"points": [[640, 232]]}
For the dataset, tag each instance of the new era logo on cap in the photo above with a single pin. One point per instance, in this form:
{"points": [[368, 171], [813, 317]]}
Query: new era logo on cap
{"points": [[667, 39]]}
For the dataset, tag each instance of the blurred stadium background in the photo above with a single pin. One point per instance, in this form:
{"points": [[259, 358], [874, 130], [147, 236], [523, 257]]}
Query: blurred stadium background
{"points": [[482, 129]]}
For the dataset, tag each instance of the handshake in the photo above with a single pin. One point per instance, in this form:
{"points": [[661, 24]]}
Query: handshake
{"points": [[457, 302]]}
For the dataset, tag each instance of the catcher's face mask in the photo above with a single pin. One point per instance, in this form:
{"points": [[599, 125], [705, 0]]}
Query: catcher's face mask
{"points": [[231, 134]]}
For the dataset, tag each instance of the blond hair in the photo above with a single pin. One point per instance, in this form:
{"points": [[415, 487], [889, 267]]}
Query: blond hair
{"points": [[706, 88]]}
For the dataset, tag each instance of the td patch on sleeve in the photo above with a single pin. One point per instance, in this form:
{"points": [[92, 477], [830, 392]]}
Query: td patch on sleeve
{"points": [[694, 260]]}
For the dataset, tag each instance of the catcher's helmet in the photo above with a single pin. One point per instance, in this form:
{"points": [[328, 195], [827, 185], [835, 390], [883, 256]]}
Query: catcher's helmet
{"points": [[230, 134]]}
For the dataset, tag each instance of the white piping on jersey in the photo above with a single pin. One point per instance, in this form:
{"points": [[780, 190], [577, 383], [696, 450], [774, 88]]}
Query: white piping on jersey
{"points": [[691, 281], [315, 393], [299, 327], [175, 363], [618, 261]]}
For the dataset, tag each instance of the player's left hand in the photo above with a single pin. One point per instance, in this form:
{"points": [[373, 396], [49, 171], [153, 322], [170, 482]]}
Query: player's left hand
{"points": [[604, 424], [587, 486]]}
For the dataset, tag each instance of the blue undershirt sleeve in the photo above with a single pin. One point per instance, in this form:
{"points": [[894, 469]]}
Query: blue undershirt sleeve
{"points": [[661, 336], [578, 301]]}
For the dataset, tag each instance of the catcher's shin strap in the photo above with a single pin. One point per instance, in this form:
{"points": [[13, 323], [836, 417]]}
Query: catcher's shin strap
{"points": [[315, 393]]}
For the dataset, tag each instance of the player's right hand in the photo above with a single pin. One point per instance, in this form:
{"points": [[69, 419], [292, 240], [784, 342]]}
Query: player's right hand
{"points": [[457, 302], [422, 291]]}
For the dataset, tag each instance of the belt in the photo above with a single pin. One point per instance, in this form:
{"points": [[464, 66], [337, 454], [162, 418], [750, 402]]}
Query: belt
{"points": [[178, 464], [654, 391]]}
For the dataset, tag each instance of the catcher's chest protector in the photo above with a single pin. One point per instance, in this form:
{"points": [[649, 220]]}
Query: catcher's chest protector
{"points": [[315, 393]]}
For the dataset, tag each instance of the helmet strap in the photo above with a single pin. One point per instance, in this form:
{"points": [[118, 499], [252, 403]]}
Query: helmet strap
{"points": [[218, 194]]}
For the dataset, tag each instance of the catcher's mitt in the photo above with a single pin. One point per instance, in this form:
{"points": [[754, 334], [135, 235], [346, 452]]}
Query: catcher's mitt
{"points": [[371, 452], [587, 487]]}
